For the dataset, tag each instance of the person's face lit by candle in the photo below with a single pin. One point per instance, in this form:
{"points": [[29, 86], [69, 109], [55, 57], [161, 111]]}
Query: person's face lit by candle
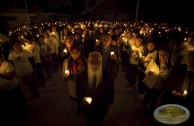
{"points": [[68, 42], [150, 46], [75, 53], [163, 56], [138, 42], [106, 40]]}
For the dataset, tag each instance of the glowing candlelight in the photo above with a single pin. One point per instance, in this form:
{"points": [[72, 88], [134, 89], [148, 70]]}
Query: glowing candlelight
{"points": [[133, 47], [112, 53], [140, 55], [152, 70], [88, 99], [185, 93], [67, 72], [65, 50], [37, 36]]}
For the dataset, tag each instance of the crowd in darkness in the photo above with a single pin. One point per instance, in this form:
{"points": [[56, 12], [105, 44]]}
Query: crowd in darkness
{"points": [[157, 59]]}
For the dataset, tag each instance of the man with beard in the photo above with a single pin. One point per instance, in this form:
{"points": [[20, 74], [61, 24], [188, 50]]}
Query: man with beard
{"points": [[94, 90]]}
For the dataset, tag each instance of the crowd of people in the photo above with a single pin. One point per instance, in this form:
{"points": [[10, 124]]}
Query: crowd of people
{"points": [[157, 58]]}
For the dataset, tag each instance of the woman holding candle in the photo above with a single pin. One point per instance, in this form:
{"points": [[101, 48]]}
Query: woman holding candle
{"points": [[149, 54], [156, 70], [72, 67], [65, 49]]}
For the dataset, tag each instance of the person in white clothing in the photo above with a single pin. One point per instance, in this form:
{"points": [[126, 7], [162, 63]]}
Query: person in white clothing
{"points": [[35, 50], [10, 93], [149, 54], [137, 51], [52, 42], [23, 63], [156, 70]]}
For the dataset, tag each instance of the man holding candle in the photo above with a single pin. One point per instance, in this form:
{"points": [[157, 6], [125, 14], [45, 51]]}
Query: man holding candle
{"points": [[110, 56], [179, 84], [94, 90]]}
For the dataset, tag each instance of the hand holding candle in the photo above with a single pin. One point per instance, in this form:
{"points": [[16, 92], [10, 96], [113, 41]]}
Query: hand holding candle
{"points": [[151, 72], [87, 100], [65, 51], [113, 56], [67, 73], [185, 93]]}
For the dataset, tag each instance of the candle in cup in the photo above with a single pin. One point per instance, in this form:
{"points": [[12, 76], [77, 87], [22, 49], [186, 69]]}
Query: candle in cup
{"points": [[88, 99], [185, 93]]}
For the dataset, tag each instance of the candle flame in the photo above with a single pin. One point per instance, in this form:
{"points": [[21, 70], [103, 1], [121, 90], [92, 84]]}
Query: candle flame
{"points": [[88, 99]]}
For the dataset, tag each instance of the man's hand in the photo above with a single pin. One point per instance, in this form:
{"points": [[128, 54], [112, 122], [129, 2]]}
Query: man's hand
{"points": [[176, 93]]}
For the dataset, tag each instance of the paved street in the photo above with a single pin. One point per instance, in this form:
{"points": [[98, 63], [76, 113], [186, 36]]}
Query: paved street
{"points": [[54, 108]]}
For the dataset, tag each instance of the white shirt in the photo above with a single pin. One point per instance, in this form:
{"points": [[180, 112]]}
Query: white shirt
{"points": [[134, 56], [21, 62], [5, 68], [150, 56]]}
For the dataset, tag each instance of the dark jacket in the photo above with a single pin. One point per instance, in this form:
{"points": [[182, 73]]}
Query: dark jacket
{"points": [[111, 65], [104, 93]]}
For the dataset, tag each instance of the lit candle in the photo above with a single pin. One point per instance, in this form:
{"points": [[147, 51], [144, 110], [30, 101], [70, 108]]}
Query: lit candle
{"points": [[185, 93], [88, 99], [152, 70], [140, 55], [133, 47], [112, 53], [67, 72], [65, 50]]}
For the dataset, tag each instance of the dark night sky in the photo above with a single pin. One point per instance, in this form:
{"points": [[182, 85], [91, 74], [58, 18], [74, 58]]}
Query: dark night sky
{"points": [[179, 11]]}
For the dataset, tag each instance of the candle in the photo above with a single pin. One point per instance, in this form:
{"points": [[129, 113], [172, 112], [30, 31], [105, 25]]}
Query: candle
{"points": [[185, 93], [67, 72], [88, 99], [140, 55], [152, 70], [65, 50], [133, 47], [112, 53]]}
